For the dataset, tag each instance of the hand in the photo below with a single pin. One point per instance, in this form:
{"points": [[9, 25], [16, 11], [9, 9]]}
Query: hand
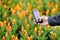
{"points": [[45, 20]]}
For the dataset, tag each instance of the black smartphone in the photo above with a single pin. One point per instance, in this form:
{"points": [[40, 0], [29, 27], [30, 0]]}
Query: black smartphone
{"points": [[36, 15]]}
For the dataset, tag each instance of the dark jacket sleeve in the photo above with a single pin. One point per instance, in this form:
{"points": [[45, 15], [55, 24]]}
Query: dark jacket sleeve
{"points": [[54, 20]]}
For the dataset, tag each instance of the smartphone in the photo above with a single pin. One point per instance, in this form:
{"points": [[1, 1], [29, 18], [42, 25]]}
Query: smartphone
{"points": [[36, 15]]}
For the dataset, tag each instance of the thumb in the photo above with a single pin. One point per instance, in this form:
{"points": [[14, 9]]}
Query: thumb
{"points": [[42, 17]]}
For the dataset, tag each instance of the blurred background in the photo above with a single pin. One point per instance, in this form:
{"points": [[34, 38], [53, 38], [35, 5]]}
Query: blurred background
{"points": [[16, 20]]}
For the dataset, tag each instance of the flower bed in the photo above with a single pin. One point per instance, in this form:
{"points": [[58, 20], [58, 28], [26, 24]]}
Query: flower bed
{"points": [[16, 20]]}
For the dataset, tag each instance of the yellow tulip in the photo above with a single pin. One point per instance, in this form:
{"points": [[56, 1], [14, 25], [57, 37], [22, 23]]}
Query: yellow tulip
{"points": [[28, 26], [35, 29]]}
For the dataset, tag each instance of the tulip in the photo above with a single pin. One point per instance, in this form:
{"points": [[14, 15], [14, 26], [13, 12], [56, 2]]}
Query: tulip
{"points": [[13, 37], [22, 28], [14, 21], [25, 21], [17, 7], [35, 29], [23, 13], [48, 26], [3, 38], [41, 13], [48, 4], [26, 13], [36, 1], [6, 34], [47, 12], [28, 6], [29, 38], [39, 33], [5, 6], [13, 11], [25, 32], [40, 27], [8, 28], [53, 10], [16, 38], [30, 17], [5, 14], [56, 6], [20, 15], [54, 35], [54, 28], [28, 26], [20, 5], [1, 24], [4, 22]]}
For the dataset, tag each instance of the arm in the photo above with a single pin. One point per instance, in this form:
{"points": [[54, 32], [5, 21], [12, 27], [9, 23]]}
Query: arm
{"points": [[54, 20]]}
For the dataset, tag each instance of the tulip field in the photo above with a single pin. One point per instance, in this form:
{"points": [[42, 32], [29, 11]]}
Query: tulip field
{"points": [[16, 20]]}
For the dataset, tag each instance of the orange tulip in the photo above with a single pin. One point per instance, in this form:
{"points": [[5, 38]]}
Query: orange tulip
{"points": [[54, 35], [13, 11], [28, 6], [20, 5], [13, 37], [14, 21], [53, 10], [23, 13], [31, 37], [30, 17], [4, 22], [25, 32], [1, 23], [20, 15], [17, 7], [35, 29], [26, 13], [52, 4], [8, 28], [48, 4], [47, 12], [41, 13], [39, 33], [3, 38], [28, 38], [54, 28]]}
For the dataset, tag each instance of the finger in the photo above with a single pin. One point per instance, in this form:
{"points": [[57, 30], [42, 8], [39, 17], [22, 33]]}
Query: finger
{"points": [[34, 21], [43, 24], [41, 18]]}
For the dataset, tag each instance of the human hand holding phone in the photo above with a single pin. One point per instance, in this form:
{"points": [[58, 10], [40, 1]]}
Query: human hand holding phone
{"points": [[41, 20]]}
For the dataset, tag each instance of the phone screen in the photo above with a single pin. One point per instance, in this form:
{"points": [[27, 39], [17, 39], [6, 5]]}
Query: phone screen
{"points": [[36, 14]]}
